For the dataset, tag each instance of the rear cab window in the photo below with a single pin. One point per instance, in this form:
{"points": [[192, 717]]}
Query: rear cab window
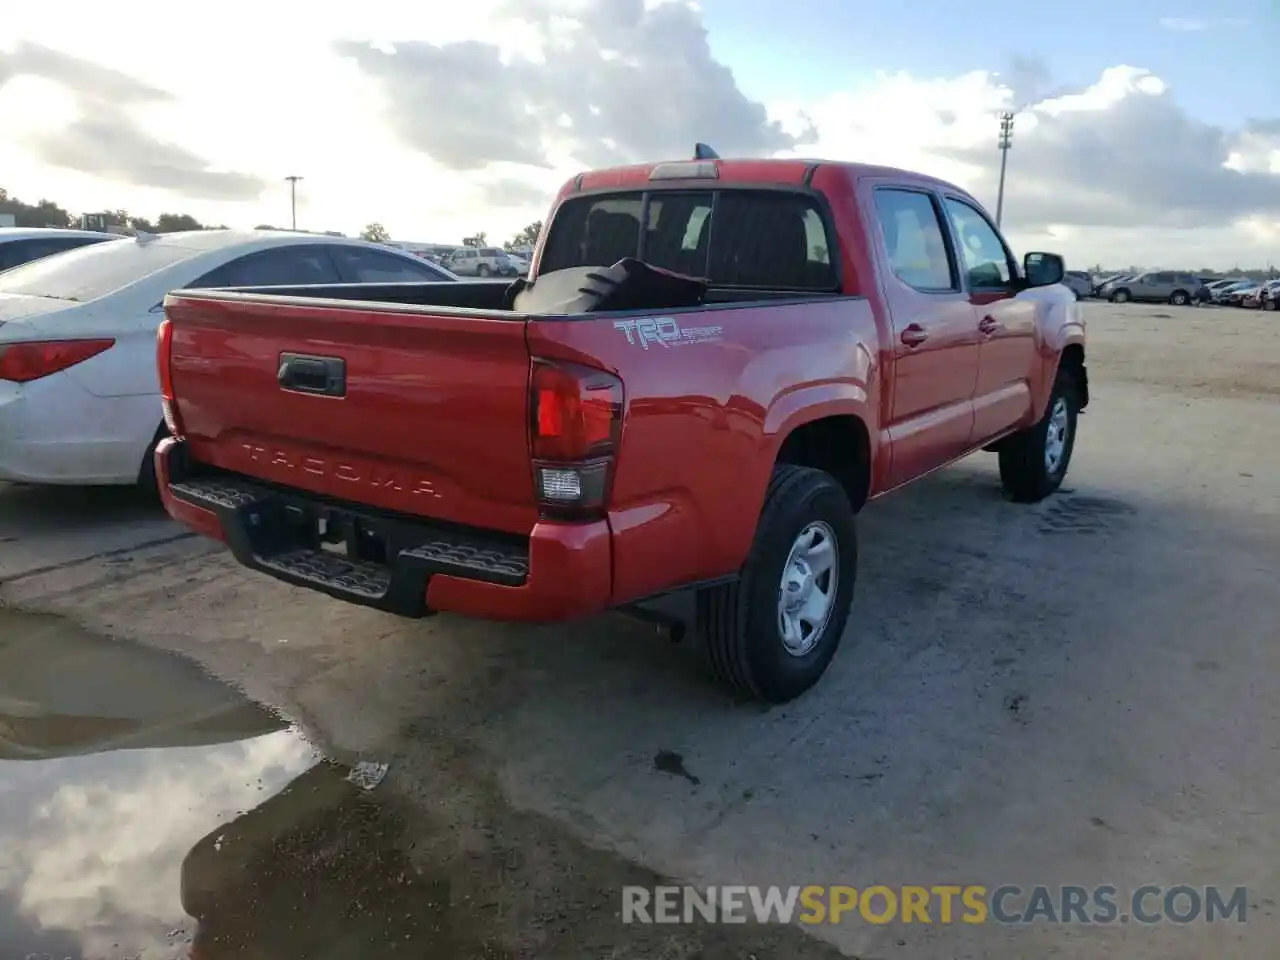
{"points": [[732, 236]]}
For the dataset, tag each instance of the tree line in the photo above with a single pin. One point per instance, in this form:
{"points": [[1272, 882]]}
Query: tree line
{"points": [[526, 237], [46, 213]]}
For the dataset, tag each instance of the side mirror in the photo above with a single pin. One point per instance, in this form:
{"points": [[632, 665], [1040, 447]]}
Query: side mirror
{"points": [[1043, 269]]}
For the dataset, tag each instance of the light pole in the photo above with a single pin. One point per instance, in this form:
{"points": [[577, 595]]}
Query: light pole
{"points": [[1004, 143], [293, 198]]}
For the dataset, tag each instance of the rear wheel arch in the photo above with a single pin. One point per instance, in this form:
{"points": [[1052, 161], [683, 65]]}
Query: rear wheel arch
{"points": [[838, 445], [147, 480]]}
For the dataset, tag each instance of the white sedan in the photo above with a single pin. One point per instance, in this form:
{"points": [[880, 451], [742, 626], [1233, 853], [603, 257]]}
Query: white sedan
{"points": [[19, 245], [79, 394]]}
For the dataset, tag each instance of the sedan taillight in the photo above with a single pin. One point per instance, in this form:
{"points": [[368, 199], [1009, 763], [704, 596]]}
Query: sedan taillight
{"points": [[32, 360]]}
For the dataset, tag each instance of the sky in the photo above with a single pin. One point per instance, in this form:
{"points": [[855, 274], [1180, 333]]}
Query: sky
{"points": [[1146, 133]]}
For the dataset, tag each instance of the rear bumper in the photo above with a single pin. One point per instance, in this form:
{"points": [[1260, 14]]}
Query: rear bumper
{"points": [[561, 572], [52, 431]]}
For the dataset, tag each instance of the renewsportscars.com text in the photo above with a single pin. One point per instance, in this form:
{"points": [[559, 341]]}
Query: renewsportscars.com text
{"points": [[936, 904]]}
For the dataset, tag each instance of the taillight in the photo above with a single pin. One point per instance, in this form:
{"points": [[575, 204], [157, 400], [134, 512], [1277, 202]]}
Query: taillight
{"points": [[24, 362], [575, 424], [164, 368]]}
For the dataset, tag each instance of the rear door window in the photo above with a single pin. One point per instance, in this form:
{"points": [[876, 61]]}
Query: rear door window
{"points": [[914, 240], [276, 267], [774, 239], [359, 265]]}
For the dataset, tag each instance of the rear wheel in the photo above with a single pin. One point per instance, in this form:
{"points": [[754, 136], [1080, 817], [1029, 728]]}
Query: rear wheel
{"points": [[1269, 303], [1180, 298], [482, 270], [147, 481], [771, 635], [1034, 461]]}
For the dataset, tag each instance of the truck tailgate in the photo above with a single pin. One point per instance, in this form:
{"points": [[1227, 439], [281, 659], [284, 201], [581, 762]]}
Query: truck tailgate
{"points": [[389, 407]]}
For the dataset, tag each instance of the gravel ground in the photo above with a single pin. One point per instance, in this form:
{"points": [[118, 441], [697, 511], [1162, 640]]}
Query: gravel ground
{"points": [[1080, 692]]}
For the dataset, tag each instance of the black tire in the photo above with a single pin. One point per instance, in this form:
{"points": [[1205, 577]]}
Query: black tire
{"points": [[1024, 464], [1120, 296], [147, 482], [1269, 303], [482, 270], [1180, 298], [739, 622]]}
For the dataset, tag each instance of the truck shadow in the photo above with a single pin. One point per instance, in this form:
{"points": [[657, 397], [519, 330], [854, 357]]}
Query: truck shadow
{"points": [[949, 547], [38, 508]]}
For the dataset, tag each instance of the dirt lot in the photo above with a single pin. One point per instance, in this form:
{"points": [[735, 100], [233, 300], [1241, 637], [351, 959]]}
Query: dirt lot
{"points": [[1082, 692]]}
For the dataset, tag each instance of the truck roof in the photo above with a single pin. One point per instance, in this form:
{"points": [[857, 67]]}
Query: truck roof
{"points": [[786, 170]]}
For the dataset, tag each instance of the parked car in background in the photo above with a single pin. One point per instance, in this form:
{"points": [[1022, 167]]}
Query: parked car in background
{"points": [[1235, 296], [1217, 286], [1260, 296], [1269, 296], [19, 245], [79, 397], [1159, 286], [1079, 283], [1222, 290], [482, 262], [1102, 286]]}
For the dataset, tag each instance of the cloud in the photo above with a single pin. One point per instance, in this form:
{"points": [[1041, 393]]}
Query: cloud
{"points": [[109, 145], [601, 82], [509, 192], [95, 844], [486, 110], [1183, 24], [105, 141], [1113, 168], [1121, 153], [1198, 24], [95, 83]]}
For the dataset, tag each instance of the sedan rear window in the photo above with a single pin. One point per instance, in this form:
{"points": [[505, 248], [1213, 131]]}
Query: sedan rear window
{"points": [[88, 273], [774, 239]]}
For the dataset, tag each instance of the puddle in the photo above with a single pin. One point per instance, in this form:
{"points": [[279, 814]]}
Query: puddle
{"points": [[116, 762], [148, 812]]}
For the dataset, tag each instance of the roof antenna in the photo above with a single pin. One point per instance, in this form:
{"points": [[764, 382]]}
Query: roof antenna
{"points": [[703, 152]]}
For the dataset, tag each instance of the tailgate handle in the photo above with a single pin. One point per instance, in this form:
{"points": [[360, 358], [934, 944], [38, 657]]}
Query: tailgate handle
{"points": [[326, 376]]}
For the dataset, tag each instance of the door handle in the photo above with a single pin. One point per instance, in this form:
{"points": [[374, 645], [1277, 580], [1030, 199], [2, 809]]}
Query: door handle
{"points": [[300, 373], [914, 335], [988, 325]]}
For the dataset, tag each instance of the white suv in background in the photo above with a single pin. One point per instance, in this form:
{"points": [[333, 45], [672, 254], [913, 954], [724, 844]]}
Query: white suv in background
{"points": [[484, 262]]}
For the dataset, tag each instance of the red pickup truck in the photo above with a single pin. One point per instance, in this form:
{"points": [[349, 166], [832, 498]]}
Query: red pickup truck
{"points": [[713, 366]]}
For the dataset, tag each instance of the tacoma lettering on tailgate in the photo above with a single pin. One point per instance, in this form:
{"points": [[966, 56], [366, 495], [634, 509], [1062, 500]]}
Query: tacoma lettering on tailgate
{"points": [[379, 477]]}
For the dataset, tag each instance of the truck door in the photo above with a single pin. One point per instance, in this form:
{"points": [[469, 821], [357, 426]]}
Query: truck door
{"points": [[1005, 323], [935, 341]]}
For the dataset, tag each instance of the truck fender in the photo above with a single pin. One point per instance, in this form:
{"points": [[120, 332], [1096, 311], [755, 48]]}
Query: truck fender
{"points": [[813, 402], [1062, 325]]}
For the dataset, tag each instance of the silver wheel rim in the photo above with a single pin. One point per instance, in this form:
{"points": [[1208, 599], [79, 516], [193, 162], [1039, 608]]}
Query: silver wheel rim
{"points": [[1055, 439], [807, 593]]}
